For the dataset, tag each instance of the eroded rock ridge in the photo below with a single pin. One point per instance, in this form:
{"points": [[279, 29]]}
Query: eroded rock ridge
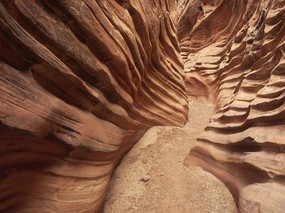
{"points": [[234, 56], [80, 83], [82, 80]]}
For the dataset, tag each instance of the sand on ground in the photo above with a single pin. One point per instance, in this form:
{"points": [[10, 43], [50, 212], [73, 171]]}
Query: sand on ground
{"points": [[152, 178]]}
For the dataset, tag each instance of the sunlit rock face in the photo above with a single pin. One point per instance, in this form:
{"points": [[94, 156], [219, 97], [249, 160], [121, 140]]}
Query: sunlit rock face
{"points": [[234, 55], [82, 80], [80, 83]]}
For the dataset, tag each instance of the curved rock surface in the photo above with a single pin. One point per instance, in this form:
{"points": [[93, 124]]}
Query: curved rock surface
{"points": [[82, 80], [80, 83], [234, 55]]}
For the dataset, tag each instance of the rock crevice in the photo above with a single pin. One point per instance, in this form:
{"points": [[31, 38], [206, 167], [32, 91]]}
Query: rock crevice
{"points": [[234, 56], [82, 81]]}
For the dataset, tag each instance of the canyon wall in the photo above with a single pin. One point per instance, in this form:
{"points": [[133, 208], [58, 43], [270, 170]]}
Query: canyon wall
{"points": [[80, 83], [82, 80], [234, 55]]}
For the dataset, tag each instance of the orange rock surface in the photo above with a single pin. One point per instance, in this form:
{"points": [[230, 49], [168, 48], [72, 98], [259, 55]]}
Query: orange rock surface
{"points": [[82, 80], [80, 83], [234, 56]]}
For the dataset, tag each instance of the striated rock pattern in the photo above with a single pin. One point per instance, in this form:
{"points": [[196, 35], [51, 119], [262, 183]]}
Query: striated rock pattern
{"points": [[80, 82], [234, 54]]}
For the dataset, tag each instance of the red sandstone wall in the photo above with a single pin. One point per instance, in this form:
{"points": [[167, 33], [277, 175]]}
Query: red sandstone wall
{"points": [[80, 83], [234, 56]]}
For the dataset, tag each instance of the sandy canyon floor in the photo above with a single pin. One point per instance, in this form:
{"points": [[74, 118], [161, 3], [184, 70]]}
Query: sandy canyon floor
{"points": [[152, 178]]}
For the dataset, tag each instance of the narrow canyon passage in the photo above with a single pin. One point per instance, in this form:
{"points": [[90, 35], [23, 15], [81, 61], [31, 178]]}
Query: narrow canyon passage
{"points": [[81, 81], [152, 177]]}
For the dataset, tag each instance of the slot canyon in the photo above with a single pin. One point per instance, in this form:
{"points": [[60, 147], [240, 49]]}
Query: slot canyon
{"points": [[178, 104]]}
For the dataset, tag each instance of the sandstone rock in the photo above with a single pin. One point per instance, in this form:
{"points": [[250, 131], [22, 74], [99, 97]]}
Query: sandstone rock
{"points": [[146, 178], [234, 56], [82, 80], [265, 197], [80, 83]]}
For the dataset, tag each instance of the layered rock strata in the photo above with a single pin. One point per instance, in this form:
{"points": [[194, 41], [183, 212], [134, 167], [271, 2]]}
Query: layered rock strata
{"points": [[80, 83], [82, 80], [234, 54]]}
